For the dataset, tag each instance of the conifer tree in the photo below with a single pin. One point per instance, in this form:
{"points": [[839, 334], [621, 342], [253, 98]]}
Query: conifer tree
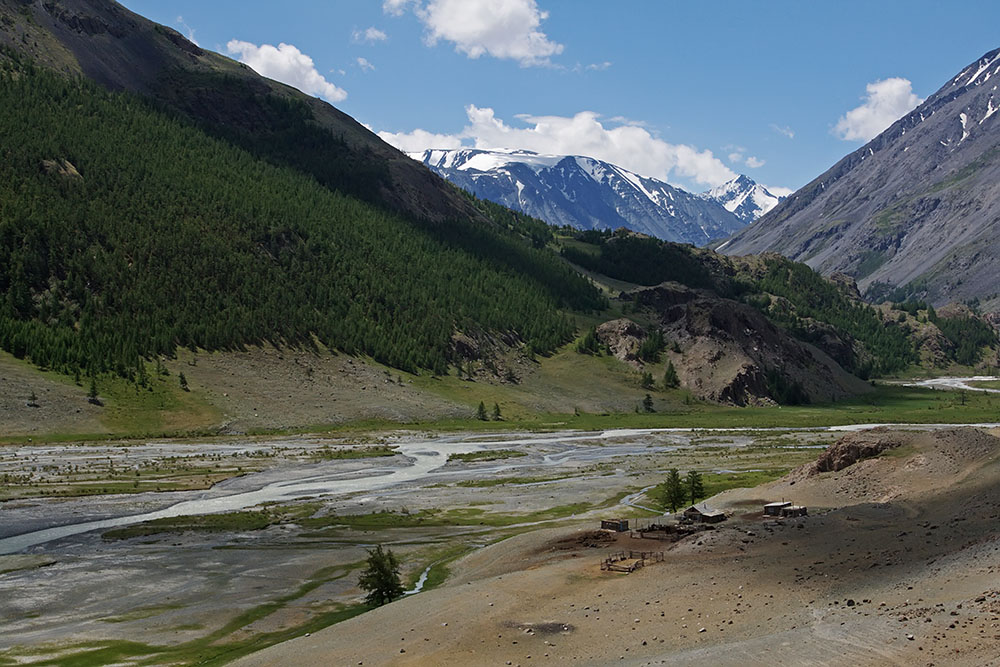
{"points": [[647, 380], [381, 577], [695, 486], [673, 493], [670, 379], [481, 411]]}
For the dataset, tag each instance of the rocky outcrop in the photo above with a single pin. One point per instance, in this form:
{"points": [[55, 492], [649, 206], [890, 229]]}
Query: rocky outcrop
{"points": [[623, 338], [854, 447], [730, 353]]}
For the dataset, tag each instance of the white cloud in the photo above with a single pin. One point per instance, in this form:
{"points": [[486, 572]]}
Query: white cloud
{"points": [[599, 67], [285, 63], [188, 29], [754, 163], [886, 101], [778, 190], [420, 140], [365, 65], [627, 145], [369, 35], [783, 130], [396, 7], [735, 157], [499, 28]]}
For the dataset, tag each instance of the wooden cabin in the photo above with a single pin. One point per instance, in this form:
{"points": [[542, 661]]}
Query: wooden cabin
{"points": [[704, 515], [617, 525], [774, 509]]}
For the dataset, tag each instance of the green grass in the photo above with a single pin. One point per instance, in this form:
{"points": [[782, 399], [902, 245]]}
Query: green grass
{"points": [[461, 516], [501, 481], [206, 523], [141, 613], [486, 455], [986, 384], [327, 453]]}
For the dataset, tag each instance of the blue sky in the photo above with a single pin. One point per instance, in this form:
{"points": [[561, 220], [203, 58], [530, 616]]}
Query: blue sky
{"points": [[690, 92]]}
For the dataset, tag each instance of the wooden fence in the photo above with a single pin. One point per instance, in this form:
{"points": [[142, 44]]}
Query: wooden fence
{"points": [[620, 561]]}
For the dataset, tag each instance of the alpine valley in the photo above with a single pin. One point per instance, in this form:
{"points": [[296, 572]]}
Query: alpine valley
{"points": [[273, 392]]}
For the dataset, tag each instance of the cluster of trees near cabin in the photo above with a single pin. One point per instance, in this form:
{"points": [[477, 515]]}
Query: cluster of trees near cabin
{"points": [[126, 231]]}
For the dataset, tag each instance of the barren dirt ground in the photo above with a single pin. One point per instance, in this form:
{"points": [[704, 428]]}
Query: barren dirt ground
{"points": [[897, 563]]}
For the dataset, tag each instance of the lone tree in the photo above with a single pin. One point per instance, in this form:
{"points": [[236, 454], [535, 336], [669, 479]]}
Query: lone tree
{"points": [[184, 381], [381, 577], [674, 492], [496, 412], [695, 487], [647, 403], [670, 379], [481, 411], [647, 380]]}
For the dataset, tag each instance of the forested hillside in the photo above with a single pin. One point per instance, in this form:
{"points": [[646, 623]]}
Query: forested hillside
{"points": [[862, 338], [126, 231]]}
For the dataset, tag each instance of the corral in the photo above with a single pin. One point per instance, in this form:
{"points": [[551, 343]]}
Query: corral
{"points": [[630, 561]]}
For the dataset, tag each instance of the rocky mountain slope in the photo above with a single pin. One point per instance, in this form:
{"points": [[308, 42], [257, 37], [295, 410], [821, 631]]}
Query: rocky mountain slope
{"points": [[726, 351], [587, 193], [916, 208]]}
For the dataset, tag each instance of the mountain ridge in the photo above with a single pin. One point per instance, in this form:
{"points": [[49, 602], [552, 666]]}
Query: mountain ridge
{"points": [[915, 212], [587, 193]]}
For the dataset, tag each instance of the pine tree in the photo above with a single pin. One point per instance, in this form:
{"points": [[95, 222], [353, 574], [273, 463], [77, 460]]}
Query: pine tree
{"points": [[695, 487], [481, 411], [184, 382], [496, 412], [92, 392], [647, 380], [381, 577], [670, 379], [647, 403], [673, 493]]}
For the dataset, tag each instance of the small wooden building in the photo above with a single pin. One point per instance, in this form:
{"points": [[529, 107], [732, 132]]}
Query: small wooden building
{"points": [[794, 510], [774, 509], [704, 515], [617, 525]]}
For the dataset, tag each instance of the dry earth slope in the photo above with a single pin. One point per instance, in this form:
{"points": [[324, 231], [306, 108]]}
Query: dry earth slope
{"points": [[897, 564]]}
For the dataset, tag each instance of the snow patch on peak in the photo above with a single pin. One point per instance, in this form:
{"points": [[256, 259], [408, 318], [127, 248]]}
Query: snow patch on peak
{"points": [[744, 198]]}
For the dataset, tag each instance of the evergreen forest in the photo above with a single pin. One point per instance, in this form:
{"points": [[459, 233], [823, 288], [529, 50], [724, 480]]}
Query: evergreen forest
{"points": [[127, 230]]}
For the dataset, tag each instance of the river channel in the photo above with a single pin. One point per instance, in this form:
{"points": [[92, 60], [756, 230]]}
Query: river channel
{"points": [[421, 461]]}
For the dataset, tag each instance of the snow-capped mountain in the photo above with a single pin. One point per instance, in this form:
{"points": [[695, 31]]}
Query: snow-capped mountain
{"points": [[592, 194], [744, 198]]}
